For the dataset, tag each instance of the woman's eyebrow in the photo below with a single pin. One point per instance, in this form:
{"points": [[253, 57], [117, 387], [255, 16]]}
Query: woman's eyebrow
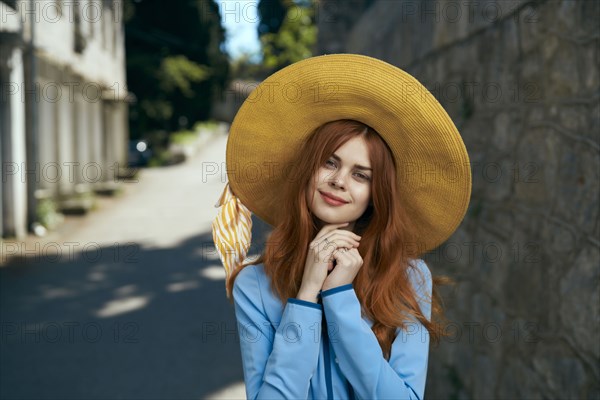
{"points": [[356, 165]]}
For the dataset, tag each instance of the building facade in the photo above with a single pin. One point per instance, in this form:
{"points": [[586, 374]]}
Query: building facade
{"points": [[63, 105]]}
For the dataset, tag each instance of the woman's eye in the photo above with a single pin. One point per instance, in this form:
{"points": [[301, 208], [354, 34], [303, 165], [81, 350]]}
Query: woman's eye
{"points": [[329, 162], [362, 176]]}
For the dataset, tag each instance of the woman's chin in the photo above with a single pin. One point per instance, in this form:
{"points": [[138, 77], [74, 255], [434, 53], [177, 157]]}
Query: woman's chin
{"points": [[326, 220]]}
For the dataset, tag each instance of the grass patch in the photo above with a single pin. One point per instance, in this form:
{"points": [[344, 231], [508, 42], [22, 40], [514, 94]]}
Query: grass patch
{"points": [[209, 125], [183, 137], [47, 213], [160, 158]]}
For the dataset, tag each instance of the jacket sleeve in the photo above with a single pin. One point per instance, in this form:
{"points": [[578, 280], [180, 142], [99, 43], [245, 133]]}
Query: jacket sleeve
{"points": [[359, 355], [278, 363]]}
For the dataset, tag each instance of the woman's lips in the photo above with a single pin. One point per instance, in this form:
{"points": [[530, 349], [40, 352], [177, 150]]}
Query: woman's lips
{"points": [[331, 201]]}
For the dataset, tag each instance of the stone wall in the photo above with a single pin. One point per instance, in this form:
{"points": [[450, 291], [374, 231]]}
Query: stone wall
{"points": [[334, 21], [521, 81]]}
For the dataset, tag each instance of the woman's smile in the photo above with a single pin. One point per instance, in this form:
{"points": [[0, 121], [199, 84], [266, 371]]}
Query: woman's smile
{"points": [[331, 201]]}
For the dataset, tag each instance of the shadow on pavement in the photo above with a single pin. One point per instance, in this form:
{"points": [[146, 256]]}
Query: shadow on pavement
{"points": [[120, 322]]}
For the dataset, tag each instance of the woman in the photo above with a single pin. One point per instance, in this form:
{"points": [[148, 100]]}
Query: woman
{"points": [[339, 305]]}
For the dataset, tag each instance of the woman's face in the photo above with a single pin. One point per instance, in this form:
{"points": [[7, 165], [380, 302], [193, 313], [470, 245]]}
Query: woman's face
{"points": [[343, 177]]}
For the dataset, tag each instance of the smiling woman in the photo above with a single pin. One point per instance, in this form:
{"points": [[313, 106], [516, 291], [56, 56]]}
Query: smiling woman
{"points": [[339, 304]]}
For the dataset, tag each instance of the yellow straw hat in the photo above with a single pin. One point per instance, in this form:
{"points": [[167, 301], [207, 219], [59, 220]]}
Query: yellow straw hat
{"points": [[433, 169]]}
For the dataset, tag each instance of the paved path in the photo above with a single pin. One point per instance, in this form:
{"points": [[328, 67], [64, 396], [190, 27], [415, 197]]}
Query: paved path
{"points": [[137, 310]]}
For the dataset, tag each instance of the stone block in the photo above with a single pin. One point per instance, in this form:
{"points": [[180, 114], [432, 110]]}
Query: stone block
{"points": [[518, 380], [507, 126], [530, 74], [559, 238], [484, 385], [508, 48], [531, 28], [499, 178], [578, 191], [526, 281], [492, 257], [535, 114], [371, 29], [335, 20], [590, 66], [488, 326], [452, 254], [580, 301], [573, 117], [443, 382], [526, 233], [461, 300], [500, 219], [561, 372], [567, 16], [561, 71], [464, 362], [589, 13], [537, 155]]}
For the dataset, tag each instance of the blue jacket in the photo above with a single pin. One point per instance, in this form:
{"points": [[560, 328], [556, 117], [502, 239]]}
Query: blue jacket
{"points": [[287, 355]]}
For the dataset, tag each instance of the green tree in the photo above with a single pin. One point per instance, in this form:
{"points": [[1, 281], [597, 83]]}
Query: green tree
{"points": [[293, 39], [175, 62]]}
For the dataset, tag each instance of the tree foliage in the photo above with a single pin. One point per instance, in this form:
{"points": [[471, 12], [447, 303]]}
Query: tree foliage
{"points": [[175, 62], [178, 73], [291, 39]]}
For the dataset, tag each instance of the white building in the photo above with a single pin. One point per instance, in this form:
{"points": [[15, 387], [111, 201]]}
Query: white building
{"points": [[63, 112]]}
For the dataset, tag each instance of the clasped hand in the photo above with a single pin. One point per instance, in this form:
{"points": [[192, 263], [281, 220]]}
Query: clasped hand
{"points": [[331, 243]]}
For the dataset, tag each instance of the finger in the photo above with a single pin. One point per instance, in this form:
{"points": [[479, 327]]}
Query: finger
{"points": [[346, 253], [332, 240], [342, 241], [342, 252], [335, 235], [355, 253], [346, 233], [325, 238], [338, 242], [356, 257], [343, 238], [341, 256], [328, 251], [328, 229]]}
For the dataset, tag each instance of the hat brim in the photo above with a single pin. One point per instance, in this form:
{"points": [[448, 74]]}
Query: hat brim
{"points": [[433, 170]]}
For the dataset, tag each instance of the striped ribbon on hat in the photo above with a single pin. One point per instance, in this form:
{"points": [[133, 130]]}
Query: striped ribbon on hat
{"points": [[232, 231]]}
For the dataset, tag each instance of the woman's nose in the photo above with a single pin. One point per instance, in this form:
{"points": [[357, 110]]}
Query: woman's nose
{"points": [[337, 180]]}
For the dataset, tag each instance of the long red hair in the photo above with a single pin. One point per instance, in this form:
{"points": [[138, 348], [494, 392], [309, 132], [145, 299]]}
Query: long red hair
{"points": [[382, 286]]}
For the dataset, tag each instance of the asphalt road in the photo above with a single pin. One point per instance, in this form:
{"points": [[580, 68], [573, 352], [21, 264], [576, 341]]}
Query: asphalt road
{"points": [[130, 302]]}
